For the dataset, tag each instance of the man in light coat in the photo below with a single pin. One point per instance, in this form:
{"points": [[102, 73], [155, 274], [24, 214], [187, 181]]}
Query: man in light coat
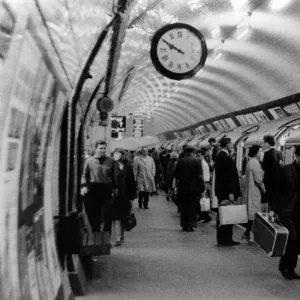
{"points": [[254, 186], [144, 173]]}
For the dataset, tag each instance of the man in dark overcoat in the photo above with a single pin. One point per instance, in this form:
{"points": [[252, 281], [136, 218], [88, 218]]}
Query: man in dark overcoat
{"points": [[226, 188], [271, 165], [190, 183], [287, 206]]}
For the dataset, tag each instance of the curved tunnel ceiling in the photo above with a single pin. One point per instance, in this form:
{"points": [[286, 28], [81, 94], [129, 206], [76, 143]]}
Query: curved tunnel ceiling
{"points": [[262, 67]]}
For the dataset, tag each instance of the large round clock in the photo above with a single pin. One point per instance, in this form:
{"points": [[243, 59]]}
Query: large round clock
{"points": [[178, 51]]}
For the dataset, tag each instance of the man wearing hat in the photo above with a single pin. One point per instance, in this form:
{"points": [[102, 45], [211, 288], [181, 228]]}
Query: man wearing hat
{"points": [[188, 172], [287, 207]]}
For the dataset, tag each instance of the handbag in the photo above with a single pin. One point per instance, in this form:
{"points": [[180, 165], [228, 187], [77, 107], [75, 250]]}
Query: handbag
{"points": [[130, 221], [205, 202]]}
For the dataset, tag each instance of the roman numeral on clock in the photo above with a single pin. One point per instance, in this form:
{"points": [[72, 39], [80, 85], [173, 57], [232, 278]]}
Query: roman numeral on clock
{"points": [[170, 65], [165, 57], [172, 36], [163, 49], [187, 65], [179, 66], [179, 33]]}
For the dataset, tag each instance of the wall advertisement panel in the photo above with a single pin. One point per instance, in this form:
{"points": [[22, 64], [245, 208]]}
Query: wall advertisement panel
{"points": [[20, 97], [33, 103]]}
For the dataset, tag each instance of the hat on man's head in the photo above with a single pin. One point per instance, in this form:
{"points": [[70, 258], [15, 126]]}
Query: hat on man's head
{"points": [[297, 150], [189, 149], [174, 155]]}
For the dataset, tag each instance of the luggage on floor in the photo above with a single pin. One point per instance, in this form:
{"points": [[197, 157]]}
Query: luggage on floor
{"points": [[233, 214], [270, 236]]}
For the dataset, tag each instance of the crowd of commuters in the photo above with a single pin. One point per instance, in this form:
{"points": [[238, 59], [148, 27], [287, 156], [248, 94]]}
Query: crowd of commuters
{"points": [[112, 183]]}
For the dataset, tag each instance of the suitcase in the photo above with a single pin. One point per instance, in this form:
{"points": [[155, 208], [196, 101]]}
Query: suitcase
{"points": [[270, 236], [233, 214]]}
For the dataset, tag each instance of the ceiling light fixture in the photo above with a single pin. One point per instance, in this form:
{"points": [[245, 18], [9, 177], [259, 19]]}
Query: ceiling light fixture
{"points": [[279, 4], [239, 4], [215, 32], [244, 28]]}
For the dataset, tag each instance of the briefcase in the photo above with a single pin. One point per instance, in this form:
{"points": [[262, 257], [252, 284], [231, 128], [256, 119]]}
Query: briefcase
{"points": [[270, 236], [233, 214]]}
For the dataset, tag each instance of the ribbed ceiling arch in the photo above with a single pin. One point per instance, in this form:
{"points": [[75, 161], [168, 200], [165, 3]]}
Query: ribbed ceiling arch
{"points": [[262, 67]]}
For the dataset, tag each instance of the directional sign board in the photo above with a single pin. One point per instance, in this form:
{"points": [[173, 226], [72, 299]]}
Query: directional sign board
{"points": [[118, 124], [138, 126]]}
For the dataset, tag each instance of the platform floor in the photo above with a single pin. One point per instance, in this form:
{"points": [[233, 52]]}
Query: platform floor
{"points": [[159, 261]]}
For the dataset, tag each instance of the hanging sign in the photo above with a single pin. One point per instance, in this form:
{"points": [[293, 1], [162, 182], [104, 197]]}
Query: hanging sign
{"points": [[138, 126], [118, 124]]}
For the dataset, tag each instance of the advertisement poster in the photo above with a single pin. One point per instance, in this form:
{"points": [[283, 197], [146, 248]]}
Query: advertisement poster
{"points": [[176, 135], [20, 98], [35, 140], [243, 121], [261, 116], [251, 119], [277, 113], [7, 24], [12, 156], [209, 127], [230, 123], [16, 123], [224, 124], [138, 126], [218, 125], [291, 109], [201, 129]]}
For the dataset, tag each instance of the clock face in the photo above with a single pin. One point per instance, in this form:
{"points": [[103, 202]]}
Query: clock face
{"points": [[178, 51]]}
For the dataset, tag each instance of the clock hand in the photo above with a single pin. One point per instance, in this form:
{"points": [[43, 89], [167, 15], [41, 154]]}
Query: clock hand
{"points": [[171, 46]]}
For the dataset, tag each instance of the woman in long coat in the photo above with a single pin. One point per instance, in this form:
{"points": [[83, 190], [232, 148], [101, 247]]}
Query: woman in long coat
{"points": [[144, 172], [126, 192], [254, 187]]}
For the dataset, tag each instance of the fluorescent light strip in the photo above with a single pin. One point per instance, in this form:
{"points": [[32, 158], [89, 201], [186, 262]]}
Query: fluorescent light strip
{"points": [[218, 56], [243, 33], [279, 4]]}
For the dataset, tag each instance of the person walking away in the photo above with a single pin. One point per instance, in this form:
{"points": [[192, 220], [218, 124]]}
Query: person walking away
{"points": [[157, 176], [188, 172], [144, 172], [254, 186], [170, 174], [271, 165], [126, 187], [286, 207], [202, 154], [98, 185], [226, 188]]}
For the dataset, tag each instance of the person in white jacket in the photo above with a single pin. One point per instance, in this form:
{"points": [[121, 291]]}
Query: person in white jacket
{"points": [[144, 173]]}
